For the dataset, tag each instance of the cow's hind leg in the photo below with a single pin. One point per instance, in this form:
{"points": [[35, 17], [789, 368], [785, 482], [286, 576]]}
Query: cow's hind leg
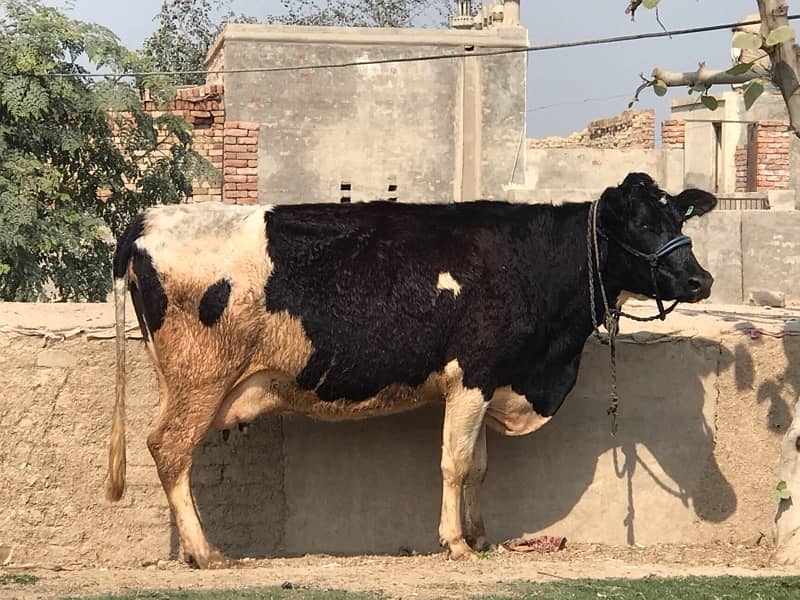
{"points": [[474, 530], [184, 421], [463, 420]]}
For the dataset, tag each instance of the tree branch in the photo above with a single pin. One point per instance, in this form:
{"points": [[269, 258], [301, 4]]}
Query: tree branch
{"points": [[785, 59], [632, 6], [702, 78]]}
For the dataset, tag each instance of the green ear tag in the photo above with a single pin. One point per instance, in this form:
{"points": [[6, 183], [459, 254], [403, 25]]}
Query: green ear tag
{"points": [[689, 211]]}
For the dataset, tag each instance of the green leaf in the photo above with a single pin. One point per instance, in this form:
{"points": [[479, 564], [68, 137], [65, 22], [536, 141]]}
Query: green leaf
{"points": [[782, 491], [659, 87], [709, 102], [751, 93], [780, 35], [739, 69], [650, 3], [745, 40]]}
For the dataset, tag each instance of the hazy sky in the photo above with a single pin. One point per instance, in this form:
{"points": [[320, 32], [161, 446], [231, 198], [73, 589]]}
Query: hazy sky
{"points": [[566, 88]]}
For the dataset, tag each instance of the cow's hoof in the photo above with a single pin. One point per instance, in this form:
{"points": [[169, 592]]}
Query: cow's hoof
{"points": [[460, 550], [214, 560], [478, 543]]}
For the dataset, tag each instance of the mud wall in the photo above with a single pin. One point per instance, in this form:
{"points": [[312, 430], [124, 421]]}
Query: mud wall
{"points": [[694, 460]]}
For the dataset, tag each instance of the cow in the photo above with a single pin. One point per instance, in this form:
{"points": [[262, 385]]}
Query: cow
{"points": [[350, 311]]}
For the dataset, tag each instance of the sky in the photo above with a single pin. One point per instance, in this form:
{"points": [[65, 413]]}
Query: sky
{"points": [[566, 88]]}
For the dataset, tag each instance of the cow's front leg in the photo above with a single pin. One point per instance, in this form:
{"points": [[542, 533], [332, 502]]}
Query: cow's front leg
{"points": [[474, 530], [463, 421]]}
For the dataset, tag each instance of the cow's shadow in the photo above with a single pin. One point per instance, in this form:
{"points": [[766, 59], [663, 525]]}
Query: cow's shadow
{"points": [[293, 485]]}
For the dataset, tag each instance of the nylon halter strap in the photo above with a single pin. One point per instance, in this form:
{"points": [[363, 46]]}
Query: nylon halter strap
{"points": [[611, 316]]}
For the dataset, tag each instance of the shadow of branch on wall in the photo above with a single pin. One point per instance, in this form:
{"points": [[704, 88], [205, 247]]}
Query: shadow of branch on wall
{"points": [[294, 486]]}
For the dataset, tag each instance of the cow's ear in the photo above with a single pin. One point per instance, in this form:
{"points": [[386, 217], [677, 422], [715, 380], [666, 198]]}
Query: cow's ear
{"points": [[692, 203]]}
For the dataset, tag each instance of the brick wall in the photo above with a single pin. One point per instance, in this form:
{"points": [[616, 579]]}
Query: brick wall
{"points": [[772, 170], [240, 162], [772, 158], [631, 129], [673, 133], [741, 168], [230, 146]]}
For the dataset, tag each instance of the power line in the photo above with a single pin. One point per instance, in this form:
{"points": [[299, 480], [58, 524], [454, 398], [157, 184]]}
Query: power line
{"points": [[584, 101], [431, 57]]}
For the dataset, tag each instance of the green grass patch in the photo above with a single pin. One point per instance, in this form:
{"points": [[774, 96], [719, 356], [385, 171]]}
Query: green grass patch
{"points": [[17, 579], [276, 593], [694, 588]]}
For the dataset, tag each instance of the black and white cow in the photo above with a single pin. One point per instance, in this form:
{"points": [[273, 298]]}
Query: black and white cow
{"points": [[358, 310]]}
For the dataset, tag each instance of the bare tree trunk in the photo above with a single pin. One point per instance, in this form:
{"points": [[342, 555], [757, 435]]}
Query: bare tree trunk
{"points": [[785, 60], [787, 517]]}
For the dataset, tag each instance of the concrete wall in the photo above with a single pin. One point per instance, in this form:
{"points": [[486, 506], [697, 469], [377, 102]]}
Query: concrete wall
{"points": [[437, 130], [748, 251], [693, 461], [580, 174]]}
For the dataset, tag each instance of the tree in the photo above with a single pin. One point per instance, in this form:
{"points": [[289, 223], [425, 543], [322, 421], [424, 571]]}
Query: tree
{"points": [[186, 29], [362, 13], [77, 158], [776, 39]]}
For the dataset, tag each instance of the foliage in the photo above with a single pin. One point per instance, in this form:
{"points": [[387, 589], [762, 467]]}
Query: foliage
{"points": [[62, 141], [782, 491], [362, 13], [651, 588], [7, 579], [186, 29], [744, 40]]}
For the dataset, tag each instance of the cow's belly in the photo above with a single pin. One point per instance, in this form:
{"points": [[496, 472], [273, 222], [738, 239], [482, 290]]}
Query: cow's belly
{"points": [[510, 413], [271, 391]]}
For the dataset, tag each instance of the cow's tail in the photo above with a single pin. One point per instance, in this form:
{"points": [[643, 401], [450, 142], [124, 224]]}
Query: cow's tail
{"points": [[115, 484]]}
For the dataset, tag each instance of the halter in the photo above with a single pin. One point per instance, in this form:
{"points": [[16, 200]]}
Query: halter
{"points": [[611, 316]]}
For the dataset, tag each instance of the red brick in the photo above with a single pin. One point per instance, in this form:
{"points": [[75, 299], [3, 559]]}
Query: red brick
{"points": [[252, 163], [239, 148], [235, 179], [233, 162], [230, 140], [248, 141], [235, 132]]}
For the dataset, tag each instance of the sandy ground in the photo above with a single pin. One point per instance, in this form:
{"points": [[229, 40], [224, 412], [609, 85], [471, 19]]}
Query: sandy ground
{"points": [[424, 577]]}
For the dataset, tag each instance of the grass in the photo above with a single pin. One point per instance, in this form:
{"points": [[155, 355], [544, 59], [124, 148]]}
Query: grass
{"points": [[693, 588], [17, 579]]}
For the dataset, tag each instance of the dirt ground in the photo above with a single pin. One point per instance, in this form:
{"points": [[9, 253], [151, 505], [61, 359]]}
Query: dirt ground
{"points": [[424, 577]]}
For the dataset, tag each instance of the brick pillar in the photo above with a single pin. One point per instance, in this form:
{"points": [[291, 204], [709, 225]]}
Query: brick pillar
{"points": [[240, 162], [772, 168], [673, 134]]}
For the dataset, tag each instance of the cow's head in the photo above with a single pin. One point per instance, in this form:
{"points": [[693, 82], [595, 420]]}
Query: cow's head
{"points": [[640, 221]]}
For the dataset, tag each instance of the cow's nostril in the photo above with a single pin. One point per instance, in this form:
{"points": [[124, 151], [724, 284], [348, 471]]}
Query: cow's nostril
{"points": [[695, 285]]}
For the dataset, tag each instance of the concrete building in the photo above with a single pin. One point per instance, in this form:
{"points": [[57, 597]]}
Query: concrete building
{"points": [[429, 131]]}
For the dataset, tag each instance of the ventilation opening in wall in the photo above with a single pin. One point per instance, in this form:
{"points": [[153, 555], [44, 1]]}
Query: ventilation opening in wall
{"points": [[203, 122], [392, 189], [344, 188]]}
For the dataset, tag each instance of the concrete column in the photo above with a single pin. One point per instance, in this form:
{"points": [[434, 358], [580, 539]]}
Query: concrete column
{"points": [[511, 13], [467, 182]]}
